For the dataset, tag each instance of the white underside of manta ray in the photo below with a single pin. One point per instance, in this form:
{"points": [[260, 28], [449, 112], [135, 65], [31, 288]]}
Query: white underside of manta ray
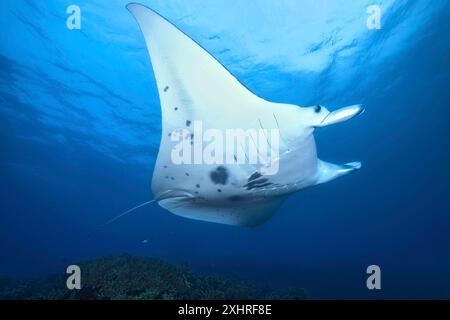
{"points": [[194, 86]]}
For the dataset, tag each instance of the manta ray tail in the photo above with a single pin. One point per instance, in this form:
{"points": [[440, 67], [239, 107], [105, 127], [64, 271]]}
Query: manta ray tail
{"points": [[329, 171], [129, 211]]}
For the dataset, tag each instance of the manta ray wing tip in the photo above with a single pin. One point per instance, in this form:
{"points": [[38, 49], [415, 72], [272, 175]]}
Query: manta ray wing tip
{"points": [[135, 5], [129, 6]]}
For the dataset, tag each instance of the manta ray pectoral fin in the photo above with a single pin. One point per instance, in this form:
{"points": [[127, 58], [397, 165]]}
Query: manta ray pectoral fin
{"points": [[341, 114], [329, 171]]}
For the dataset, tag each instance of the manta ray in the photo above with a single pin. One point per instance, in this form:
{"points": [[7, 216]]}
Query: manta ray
{"points": [[194, 86]]}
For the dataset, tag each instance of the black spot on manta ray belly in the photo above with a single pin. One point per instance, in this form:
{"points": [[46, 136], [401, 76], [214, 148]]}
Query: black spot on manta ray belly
{"points": [[219, 175], [166, 88], [188, 123]]}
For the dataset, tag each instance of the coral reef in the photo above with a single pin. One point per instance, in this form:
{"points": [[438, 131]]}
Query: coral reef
{"points": [[128, 277]]}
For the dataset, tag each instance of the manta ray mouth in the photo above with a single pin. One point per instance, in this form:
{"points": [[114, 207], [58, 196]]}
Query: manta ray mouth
{"points": [[174, 194], [342, 114]]}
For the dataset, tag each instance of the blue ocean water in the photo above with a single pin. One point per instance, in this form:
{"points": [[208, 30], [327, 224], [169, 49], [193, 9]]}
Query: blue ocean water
{"points": [[80, 125]]}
